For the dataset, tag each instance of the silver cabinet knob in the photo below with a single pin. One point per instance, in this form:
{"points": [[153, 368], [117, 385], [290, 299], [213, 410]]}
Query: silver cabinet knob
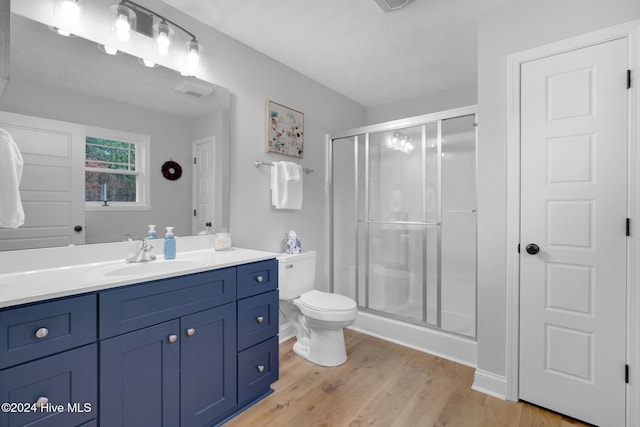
{"points": [[261, 368], [191, 332], [42, 332], [42, 402], [173, 338], [260, 279], [259, 319]]}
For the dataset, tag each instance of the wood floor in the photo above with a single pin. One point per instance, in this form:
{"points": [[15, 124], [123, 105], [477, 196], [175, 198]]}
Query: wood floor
{"points": [[385, 384]]}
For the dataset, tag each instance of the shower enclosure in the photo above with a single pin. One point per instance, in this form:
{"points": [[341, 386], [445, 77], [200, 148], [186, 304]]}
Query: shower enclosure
{"points": [[403, 219]]}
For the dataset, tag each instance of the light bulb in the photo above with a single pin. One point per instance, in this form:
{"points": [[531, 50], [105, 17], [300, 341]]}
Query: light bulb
{"points": [[163, 40], [123, 28], [163, 51], [70, 8], [148, 63], [110, 50], [193, 57]]}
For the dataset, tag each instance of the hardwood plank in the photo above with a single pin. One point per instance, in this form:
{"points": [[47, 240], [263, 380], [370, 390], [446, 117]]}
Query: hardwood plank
{"points": [[385, 384]]}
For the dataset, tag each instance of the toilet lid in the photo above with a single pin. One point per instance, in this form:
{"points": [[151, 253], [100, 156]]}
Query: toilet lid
{"points": [[327, 302]]}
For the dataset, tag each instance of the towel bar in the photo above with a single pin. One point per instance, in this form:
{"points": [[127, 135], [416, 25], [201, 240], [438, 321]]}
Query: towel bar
{"points": [[257, 163]]}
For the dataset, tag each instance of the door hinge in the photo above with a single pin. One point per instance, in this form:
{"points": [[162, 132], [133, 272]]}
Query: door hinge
{"points": [[194, 161], [628, 227], [194, 213], [628, 79], [518, 247], [626, 374]]}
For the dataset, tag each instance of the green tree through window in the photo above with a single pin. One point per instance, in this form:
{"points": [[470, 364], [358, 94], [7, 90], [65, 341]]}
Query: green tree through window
{"points": [[110, 165]]}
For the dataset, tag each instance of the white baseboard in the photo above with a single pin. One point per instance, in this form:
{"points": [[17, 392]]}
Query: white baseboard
{"points": [[490, 383], [286, 331], [452, 347]]}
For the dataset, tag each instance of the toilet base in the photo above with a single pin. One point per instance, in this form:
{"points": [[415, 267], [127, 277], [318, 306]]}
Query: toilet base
{"points": [[324, 347]]}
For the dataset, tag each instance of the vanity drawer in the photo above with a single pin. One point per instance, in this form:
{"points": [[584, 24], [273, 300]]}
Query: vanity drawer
{"points": [[257, 277], [41, 329], [141, 305], [69, 378], [257, 319], [257, 369]]}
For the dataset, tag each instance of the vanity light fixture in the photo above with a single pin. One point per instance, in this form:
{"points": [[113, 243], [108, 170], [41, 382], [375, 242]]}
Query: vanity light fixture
{"points": [[161, 29], [147, 62]]}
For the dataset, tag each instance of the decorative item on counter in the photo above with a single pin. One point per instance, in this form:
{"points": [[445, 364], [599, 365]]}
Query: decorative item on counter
{"points": [[222, 241], [293, 244], [169, 244], [206, 230], [152, 234]]}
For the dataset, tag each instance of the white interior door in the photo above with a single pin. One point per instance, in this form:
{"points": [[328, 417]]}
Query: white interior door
{"points": [[573, 207], [203, 183], [52, 185]]}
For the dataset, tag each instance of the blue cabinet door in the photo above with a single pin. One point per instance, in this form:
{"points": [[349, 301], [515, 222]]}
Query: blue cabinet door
{"points": [[140, 377], [56, 391], [208, 365]]}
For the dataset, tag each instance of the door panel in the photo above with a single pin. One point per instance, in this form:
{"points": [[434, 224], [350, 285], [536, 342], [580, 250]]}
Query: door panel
{"points": [[573, 206], [203, 183], [52, 185]]}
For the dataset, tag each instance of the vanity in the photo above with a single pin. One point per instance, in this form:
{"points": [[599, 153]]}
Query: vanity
{"points": [[185, 342]]}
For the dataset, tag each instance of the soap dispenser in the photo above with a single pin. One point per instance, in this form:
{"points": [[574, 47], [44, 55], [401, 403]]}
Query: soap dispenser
{"points": [[169, 244], [152, 234]]}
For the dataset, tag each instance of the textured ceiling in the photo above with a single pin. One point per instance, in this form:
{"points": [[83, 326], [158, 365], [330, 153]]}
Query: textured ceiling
{"points": [[352, 46]]}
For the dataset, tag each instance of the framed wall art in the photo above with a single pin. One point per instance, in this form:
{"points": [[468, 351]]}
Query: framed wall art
{"points": [[285, 130]]}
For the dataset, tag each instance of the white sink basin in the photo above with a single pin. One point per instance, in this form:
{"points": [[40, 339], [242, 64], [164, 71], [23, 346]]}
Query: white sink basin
{"points": [[148, 268]]}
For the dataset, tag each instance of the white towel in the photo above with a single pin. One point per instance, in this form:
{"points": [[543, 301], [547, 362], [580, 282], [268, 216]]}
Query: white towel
{"points": [[286, 185], [11, 164]]}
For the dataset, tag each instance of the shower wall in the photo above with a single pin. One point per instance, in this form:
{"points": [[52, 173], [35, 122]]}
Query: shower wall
{"points": [[403, 221]]}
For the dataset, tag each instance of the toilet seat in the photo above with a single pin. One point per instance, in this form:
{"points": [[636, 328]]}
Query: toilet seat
{"points": [[327, 307], [325, 301]]}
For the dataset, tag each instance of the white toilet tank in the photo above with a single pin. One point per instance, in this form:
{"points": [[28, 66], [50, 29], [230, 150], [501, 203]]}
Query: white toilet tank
{"points": [[296, 274]]}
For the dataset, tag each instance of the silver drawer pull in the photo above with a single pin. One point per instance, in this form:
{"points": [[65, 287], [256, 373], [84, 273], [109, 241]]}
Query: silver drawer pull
{"points": [[173, 338], [259, 319], [260, 279], [261, 368], [42, 332], [191, 332], [42, 402]]}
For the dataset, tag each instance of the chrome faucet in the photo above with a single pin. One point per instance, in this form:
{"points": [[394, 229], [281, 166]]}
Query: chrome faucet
{"points": [[142, 253]]}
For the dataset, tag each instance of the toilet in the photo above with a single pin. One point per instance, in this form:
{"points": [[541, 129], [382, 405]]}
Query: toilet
{"points": [[320, 316]]}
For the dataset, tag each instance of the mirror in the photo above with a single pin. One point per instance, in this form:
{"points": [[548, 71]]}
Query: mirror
{"points": [[69, 79]]}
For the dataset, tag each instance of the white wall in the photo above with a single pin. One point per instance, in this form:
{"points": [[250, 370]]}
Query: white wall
{"points": [[460, 96], [253, 79], [514, 27]]}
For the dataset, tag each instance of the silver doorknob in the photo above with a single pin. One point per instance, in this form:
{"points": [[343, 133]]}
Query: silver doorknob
{"points": [[42, 402], [173, 338], [259, 319], [42, 332], [260, 279], [191, 332], [260, 368]]}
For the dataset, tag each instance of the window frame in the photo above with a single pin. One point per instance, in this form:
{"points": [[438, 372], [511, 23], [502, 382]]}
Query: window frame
{"points": [[143, 181]]}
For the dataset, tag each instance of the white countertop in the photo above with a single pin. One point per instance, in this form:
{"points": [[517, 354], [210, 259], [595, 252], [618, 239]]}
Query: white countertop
{"points": [[38, 284]]}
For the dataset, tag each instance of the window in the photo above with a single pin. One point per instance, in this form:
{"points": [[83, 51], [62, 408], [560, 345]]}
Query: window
{"points": [[115, 170]]}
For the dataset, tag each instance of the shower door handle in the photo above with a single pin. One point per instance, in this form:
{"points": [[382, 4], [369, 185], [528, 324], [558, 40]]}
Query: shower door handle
{"points": [[532, 249]]}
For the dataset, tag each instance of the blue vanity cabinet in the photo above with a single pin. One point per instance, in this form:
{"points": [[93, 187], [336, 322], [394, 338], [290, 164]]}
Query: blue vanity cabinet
{"points": [[181, 371], [258, 365]]}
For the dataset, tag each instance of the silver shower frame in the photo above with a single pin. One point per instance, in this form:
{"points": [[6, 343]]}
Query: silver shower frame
{"points": [[364, 131]]}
